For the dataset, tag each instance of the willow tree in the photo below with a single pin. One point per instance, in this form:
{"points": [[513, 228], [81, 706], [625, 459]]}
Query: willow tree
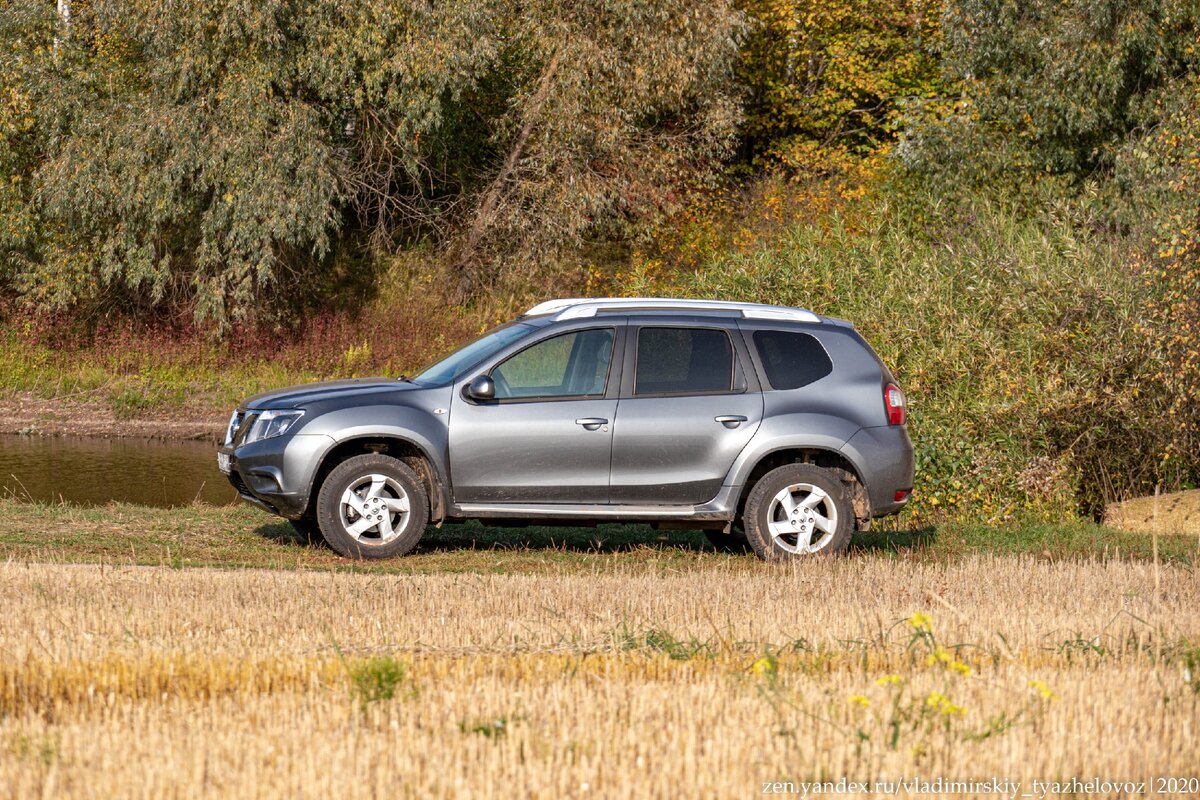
{"points": [[217, 155]]}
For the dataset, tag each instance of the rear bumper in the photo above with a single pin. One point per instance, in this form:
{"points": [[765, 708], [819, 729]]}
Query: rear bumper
{"points": [[885, 456]]}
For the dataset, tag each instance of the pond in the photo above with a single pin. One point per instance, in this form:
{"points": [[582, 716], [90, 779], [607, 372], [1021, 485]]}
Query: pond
{"points": [[93, 471]]}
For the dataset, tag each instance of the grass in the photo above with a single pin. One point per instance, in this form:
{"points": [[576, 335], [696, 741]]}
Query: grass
{"points": [[240, 536], [709, 677], [138, 369]]}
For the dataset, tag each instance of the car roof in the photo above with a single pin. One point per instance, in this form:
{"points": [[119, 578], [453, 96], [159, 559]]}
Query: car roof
{"points": [[582, 307]]}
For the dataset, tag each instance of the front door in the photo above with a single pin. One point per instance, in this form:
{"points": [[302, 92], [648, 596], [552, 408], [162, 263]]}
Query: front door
{"points": [[547, 437], [683, 418]]}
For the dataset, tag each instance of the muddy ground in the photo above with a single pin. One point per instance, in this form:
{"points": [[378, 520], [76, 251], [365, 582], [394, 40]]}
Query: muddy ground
{"points": [[34, 416]]}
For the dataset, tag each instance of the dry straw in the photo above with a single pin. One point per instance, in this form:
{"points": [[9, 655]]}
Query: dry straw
{"points": [[151, 682]]}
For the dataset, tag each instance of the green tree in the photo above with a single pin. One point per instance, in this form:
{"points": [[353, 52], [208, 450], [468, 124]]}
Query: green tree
{"points": [[216, 155], [1051, 86], [828, 82]]}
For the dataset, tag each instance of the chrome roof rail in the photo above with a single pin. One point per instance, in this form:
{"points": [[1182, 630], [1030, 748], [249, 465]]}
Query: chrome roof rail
{"points": [[581, 307]]}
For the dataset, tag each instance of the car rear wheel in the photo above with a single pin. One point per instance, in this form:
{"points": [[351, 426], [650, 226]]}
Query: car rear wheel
{"points": [[796, 511], [372, 506]]}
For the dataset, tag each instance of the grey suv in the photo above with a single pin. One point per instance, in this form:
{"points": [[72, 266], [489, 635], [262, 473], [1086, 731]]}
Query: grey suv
{"points": [[760, 424]]}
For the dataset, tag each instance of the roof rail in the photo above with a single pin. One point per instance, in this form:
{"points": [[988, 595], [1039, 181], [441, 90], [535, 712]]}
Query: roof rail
{"points": [[581, 307]]}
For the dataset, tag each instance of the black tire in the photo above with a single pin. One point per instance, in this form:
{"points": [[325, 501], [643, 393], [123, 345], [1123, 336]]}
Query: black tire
{"points": [[834, 507], [360, 474], [733, 542]]}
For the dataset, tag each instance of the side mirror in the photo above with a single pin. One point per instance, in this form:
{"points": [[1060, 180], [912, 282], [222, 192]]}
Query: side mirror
{"points": [[482, 388]]}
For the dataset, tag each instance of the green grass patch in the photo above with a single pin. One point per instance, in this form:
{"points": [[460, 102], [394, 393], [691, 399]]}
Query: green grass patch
{"points": [[240, 536]]}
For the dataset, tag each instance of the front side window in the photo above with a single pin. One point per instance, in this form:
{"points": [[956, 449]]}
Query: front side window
{"points": [[570, 365], [683, 361], [454, 365]]}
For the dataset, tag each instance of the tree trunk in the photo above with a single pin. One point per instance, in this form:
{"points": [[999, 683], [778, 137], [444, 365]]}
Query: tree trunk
{"points": [[466, 264], [64, 13]]}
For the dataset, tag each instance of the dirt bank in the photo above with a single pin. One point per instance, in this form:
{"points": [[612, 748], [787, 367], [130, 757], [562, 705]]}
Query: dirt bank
{"points": [[34, 416]]}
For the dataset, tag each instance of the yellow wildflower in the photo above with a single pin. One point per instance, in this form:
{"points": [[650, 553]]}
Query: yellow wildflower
{"points": [[921, 621], [859, 700], [764, 666], [946, 657], [1042, 689], [888, 680], [944, 706]]}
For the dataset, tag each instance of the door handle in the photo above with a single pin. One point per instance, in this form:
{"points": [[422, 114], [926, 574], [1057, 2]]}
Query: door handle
{"points": [[730, 421], [591, 423]]}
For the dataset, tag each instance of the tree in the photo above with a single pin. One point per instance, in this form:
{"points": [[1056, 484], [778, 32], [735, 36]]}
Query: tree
{"points": [[1049, 86], [829, 82], [621, 106], [220, 162]]}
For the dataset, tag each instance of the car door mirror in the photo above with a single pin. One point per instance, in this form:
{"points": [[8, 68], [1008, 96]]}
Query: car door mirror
{"points": [[481, 387]]}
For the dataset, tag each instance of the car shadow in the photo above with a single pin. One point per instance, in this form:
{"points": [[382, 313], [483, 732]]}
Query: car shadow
{"points": [[906, 541], [608, 538], [282, 533], [612, 538]]}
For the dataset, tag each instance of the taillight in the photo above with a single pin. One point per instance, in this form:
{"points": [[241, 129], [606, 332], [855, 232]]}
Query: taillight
{"points": [[893, 401]]}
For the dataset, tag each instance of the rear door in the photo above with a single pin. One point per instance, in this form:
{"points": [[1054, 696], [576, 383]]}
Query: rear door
{"points": [[547, 437], [689, 404]]}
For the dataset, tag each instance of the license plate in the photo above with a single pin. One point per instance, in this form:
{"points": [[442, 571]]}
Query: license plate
{"points": [[224, 463]]}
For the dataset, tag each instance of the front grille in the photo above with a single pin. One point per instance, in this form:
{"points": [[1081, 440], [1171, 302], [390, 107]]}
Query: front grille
{"points": [[236, 479]]}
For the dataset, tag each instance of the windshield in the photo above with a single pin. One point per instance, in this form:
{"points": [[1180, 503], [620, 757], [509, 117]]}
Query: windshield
{"points": [[462, 359]]}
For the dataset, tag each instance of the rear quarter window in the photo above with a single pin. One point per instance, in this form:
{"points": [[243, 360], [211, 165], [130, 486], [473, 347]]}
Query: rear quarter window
{"points": [[791, 359]]}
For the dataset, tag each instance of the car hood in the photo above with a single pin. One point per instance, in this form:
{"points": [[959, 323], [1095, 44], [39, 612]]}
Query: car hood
{"points": [[296, 396]]}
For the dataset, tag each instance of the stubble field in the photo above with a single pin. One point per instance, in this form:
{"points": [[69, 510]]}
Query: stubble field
{"points": [[702, 677]]}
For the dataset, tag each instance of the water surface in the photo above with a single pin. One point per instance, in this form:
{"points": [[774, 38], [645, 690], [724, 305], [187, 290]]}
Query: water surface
{"points": [[91, 471]]}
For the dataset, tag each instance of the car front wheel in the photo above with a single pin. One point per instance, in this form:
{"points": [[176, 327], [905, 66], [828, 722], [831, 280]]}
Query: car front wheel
{"points": [[798, 510], [372, 506]]}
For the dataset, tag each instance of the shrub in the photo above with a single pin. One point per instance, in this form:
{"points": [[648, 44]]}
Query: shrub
{"points": [[1015, 336], [1171, 266]]}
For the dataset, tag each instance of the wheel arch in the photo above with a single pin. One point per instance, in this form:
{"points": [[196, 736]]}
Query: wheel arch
{"points": [[825, 457], [410, 452]]}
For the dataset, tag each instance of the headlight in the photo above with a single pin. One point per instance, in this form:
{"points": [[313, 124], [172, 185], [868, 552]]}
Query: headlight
{"points": [[234, 421], [272, 423]]}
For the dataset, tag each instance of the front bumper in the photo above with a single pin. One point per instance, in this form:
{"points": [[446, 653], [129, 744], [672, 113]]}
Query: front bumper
{"points": [[276, 474]]}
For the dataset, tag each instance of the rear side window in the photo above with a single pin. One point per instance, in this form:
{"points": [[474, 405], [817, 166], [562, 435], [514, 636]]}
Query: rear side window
{"points": [[791, 359], [683, 361]]}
